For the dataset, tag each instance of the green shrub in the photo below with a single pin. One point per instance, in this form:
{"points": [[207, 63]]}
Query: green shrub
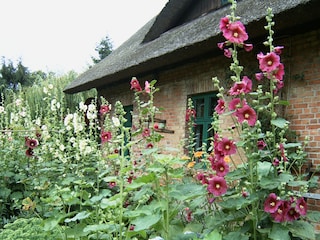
{"points": [[27, 229]]}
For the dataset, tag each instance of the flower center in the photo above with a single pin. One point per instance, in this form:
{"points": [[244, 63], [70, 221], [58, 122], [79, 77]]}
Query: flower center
{"points": [[246, 116], [301, 207], [221, 169], [272, 204], [217, 186], [269, 63], [227, 147], [235, 34]]}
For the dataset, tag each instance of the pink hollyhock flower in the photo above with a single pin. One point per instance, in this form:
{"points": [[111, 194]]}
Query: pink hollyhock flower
{"points": [[105, 136], [272, 203], [259, 76], [227, 52], [224, 24], [301, 206], [104, 109], [268, 62], [190, 113], [217, 186], [276, 162], [281, 213], [220, 107], [147, 87], [261, 144], [278, 49], [235, 32], [247, 47], [279, 73], [227, 147], [221, 168], [221, 45], [135, 85], [146, 132], [235, 103], [245, 86], [31, 143], [246, 113]]}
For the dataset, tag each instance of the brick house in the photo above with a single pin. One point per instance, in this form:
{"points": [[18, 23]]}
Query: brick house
{"points": [[179, 49]]}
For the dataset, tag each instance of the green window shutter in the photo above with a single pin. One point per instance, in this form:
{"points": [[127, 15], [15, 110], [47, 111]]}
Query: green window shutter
{"points": [[204, 105]]}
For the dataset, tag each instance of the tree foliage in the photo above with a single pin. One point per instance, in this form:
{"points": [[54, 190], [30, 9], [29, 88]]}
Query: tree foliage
{"points": [[103, 49], [12, 76]]}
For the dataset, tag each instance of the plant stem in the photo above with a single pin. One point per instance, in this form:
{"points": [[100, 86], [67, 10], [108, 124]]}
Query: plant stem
{"points": [[122, 158]]}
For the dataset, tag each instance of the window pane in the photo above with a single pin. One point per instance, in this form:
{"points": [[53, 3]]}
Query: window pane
{"points": [[199, 106], [199, 136], [212, 105]]}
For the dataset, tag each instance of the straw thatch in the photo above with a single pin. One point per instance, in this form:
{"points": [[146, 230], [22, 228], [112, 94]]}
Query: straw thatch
{"points": [[154, 46]]}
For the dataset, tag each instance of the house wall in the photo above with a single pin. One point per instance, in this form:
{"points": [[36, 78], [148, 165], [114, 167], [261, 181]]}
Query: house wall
{"points": [[301, 57]]}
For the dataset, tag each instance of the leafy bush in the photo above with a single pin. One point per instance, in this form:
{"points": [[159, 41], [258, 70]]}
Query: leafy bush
{"points": [[27, 229]]}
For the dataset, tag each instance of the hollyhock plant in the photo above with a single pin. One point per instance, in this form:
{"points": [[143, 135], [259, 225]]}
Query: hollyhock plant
{"points": [[217, 186], [280, 215], [190, 113], [146, 132], [227, 146]]}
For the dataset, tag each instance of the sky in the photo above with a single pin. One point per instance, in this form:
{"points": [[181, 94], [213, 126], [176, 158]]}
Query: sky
{"points": [[61, 35]]}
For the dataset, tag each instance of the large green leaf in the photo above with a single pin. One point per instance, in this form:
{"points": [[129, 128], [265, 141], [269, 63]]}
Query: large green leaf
{"points": [[78, 216], [236, 235], [302, 229], [187, 191], [279, 232], [313, 216], [279, 122], [214, 235], [145, 222]]}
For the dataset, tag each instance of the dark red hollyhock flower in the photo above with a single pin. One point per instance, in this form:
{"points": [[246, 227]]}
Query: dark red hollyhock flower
{"points": [[220, 107], [261, 144], [221, 168], [146, 132], [280, 215], [301, 206], [29, 152], [272, 203], [135, 85], [31, 143], [190, 113]]}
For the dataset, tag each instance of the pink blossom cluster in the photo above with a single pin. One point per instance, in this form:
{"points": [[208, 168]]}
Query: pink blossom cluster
{"points": [[216, 183], [135, 85], [271, 67], [285, 210]]}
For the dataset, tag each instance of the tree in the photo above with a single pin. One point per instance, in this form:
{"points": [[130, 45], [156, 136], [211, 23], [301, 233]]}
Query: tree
{"points": [[12, 76], [104, 49]]}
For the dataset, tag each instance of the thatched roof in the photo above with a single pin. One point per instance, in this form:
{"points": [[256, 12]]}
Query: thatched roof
{"points": [[137, 56]]}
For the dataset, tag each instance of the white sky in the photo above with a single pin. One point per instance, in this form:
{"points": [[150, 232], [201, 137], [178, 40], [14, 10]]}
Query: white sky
{"points": [[61, 35]]}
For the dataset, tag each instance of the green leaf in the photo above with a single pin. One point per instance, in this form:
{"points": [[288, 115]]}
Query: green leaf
{"points": [[313, 216], [187, 191], [279, 122], [236, 235], [215, 235], [79, 216], [264, 168], [145, 222], [302, 229], [284, 102], [279, 232], [269, 183], [100, 227], [291, 145]]}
